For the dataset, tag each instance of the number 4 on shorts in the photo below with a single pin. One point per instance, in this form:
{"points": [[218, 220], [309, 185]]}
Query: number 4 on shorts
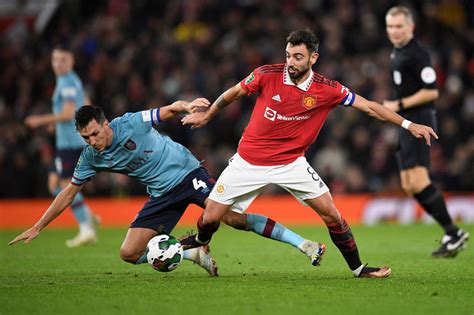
{"points": [[197, 183]]}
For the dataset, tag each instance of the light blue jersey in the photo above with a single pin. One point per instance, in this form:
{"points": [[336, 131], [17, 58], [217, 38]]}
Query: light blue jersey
{"points": [[68, 88], [141, 152]]}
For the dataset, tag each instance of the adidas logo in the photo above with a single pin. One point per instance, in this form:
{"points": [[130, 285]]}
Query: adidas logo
{"points": [[276, 98]]}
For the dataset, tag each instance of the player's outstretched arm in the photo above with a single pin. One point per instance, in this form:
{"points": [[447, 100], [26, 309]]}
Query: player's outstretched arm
{"points": [[200, 119], [67, 114], [61, 202], [378, 111], [178, 107]]}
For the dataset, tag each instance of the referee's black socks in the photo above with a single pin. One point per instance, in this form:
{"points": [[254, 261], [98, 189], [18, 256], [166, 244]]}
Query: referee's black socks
{"points": [[432, 200]]}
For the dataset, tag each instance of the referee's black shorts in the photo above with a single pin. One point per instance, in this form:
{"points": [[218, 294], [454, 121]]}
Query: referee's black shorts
{"points": [[412, 151]]}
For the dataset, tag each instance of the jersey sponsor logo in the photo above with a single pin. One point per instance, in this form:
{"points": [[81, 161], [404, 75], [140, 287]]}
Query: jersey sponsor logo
{"points": [[139, 161], [397, 77], [130, 145], [250, 78], [276, 98], [220, 188], [428, 75], [309, 101], [272, 114]]}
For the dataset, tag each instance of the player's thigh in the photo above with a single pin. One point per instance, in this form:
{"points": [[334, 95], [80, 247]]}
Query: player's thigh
{"points": [[300, 179], [161, 214], [415, 179], [135, 241], [239, 184]]}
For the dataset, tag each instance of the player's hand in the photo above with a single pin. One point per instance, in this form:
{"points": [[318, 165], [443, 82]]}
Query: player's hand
{"points": [[392, 105], [26, 236], [33, 121], [196, 120], [422, 131], [198, 105]]}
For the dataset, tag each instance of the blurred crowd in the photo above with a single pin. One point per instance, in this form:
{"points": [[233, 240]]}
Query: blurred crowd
{"points": [[137, 54]]}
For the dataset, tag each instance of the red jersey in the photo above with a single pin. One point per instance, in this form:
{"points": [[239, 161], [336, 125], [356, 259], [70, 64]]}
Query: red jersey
{"points": [[287, 118]]}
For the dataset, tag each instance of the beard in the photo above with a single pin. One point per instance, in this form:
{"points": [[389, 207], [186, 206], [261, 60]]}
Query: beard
{"points": [[297, 73]]}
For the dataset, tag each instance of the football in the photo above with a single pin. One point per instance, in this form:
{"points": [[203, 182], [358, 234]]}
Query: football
{"points": [[164, 253]]}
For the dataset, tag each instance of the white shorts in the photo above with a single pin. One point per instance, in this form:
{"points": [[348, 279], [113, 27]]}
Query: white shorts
{"points": [[241, 182]]}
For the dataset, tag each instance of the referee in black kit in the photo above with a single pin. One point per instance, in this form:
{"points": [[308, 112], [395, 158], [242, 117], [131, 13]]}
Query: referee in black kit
{"points": [[414, 81]]}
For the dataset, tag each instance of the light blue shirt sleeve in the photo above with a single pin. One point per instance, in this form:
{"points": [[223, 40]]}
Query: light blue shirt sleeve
{"points": [[84, 170], [141, 121]]}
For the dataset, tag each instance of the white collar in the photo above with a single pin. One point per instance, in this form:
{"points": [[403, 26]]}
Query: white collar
{"points": [[303, 85]]}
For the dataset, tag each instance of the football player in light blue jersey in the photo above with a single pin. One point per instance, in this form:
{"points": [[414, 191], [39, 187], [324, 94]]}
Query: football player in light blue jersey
{"points": [[67, 98], [173, 176]]}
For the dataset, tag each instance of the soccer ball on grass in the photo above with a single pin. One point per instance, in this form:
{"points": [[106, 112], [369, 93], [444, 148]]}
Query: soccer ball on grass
{"points": [[164, 253]]}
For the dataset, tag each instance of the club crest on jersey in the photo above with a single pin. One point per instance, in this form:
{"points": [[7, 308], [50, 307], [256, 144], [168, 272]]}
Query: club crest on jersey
{"points": [[130, 145], [250, 78], [309, 101], [220, 188]]}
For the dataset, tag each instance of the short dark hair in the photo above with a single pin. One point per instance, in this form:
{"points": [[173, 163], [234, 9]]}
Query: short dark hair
{"points": [[306, 37], [63, 47], [86, 114]]}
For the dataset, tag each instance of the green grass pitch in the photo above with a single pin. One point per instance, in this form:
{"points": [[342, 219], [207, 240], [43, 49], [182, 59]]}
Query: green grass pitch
{"points": [[257, 276]]}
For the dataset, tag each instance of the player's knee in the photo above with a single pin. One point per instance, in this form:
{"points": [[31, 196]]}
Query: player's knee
{"points": [[333, 218], [129, 255], [407, 188], [411, 187], [211, 218]]}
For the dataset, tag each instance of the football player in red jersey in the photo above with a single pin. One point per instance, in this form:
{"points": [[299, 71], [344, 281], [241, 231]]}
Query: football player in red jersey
{"points": [[291, 107]]}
